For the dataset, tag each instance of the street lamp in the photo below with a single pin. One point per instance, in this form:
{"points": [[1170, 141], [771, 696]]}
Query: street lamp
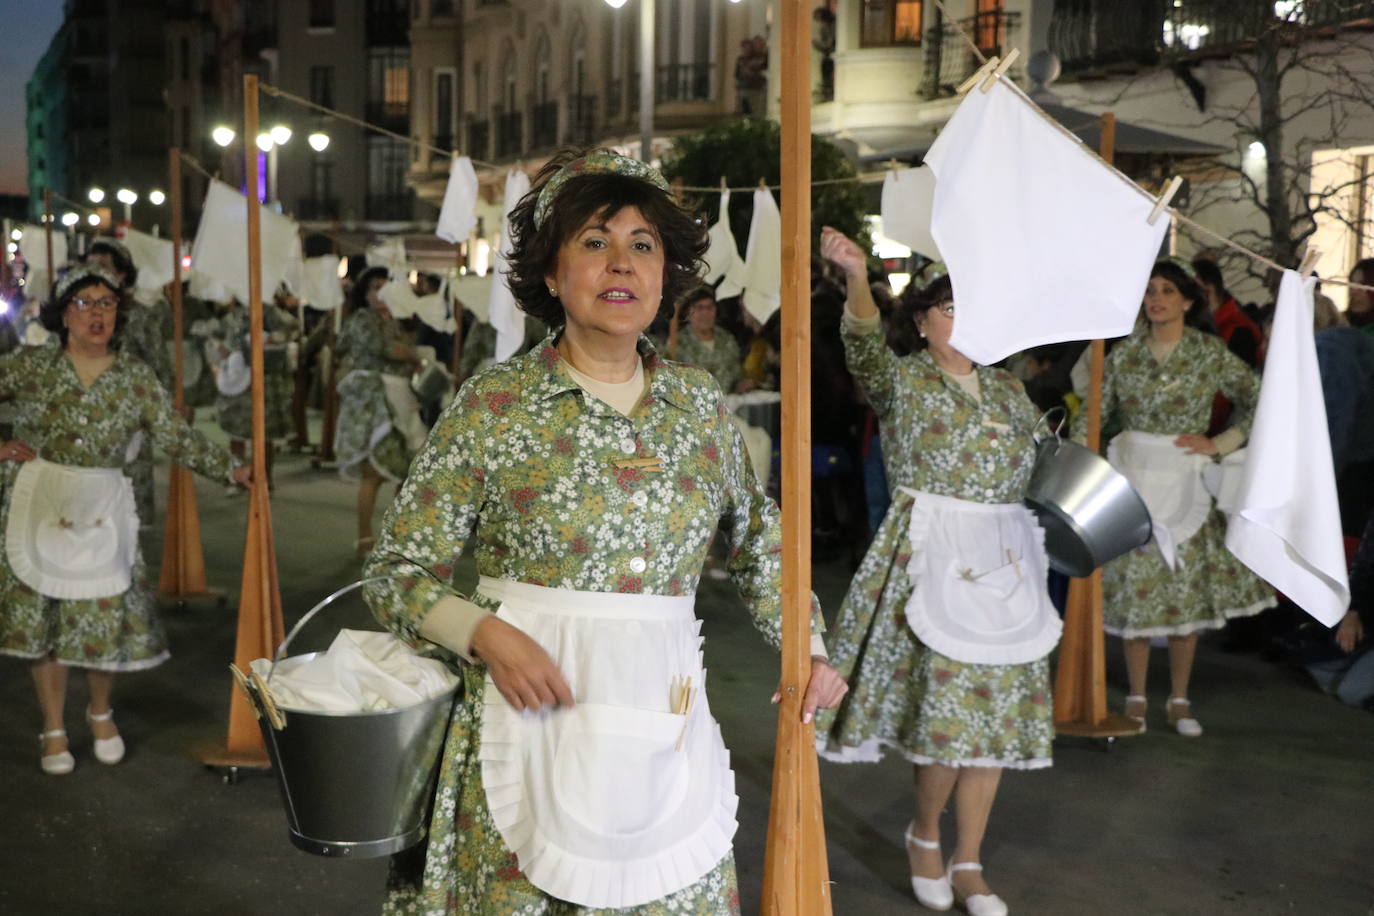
{"points": [[70, 219], [93, 219], [156, 198], [646, 76], [281, 134], [319, 141], [128, 199], [96, 195], [223, 135]]}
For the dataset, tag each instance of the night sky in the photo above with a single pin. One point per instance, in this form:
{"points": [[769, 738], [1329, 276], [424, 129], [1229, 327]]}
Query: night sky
{"points": [[28, 27]]}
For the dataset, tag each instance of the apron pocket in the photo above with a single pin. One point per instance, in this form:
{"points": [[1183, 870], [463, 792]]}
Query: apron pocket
{"points": [[616, 771]]}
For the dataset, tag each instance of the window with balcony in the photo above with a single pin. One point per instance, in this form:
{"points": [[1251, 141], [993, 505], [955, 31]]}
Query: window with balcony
{"points": [[443, 109], [989, 27], [884, 23], [388, 198], [321, 14], [322, 86], [388, 88]]}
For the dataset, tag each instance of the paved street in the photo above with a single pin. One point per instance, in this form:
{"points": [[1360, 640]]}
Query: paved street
{"points": [[1272, 811]]}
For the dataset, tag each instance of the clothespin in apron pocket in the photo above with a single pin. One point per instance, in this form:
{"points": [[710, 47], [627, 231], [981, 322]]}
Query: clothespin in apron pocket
{"points": [[981, 74], [1001, 70], [1309, 261], [1163, 203]]}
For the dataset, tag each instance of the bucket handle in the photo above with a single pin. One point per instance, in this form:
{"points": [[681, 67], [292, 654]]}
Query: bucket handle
{"points": [[328, 600], [1058, 429]]}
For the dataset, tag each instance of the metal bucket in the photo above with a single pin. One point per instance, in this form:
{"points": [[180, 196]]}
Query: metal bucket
{"points": [[1090, 512], [355, 785]]}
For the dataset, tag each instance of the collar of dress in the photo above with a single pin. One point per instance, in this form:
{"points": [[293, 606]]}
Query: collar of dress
{"points": [[546, 377]]}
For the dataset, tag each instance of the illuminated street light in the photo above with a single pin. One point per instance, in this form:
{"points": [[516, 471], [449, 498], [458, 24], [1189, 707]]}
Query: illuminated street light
{"points": [[11, 247], [16, 234], [223, 135], [615, 4], [125, 196], [319, 141], [281, 135], [96, 195], [93, 219], [265, 142], [70, 219], [156, 198]]}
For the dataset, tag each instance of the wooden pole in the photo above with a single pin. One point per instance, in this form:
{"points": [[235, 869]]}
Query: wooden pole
{"points": [[329, 378], [260, 628], [1080, 683], [183, 555], [47, 233], [796, 879]]}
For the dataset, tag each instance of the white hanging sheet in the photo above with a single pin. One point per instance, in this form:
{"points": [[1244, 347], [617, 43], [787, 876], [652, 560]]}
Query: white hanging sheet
{"points": [[474, 291], [503, 313], [33, 244], [320, 286], [1043, 243], [763, 258], [1287, 525], [399, 298], [153, 258], [722, 255], [361, 671], [908, 197], [221, 247], [458, 215]]}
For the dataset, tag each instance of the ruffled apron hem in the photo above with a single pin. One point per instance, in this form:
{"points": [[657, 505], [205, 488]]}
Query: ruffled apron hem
{"points": [[1197, 626], [871, 751], [138, 664]]}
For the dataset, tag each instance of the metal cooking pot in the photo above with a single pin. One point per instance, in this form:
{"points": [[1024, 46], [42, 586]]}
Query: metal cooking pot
{"points": [[1090, 512]]}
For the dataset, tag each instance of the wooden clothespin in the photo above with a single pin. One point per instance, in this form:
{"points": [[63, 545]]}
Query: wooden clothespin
{"points": [[981, 74], [763, 185], [892, 166], [723, 186], [1001, 69], [1309, 261], [1163, 203]]}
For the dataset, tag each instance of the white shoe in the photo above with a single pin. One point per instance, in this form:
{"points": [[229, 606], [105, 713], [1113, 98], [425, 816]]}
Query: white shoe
{"points": [[1180, 718], [107, 750], [1138, 712], [931, 893], [978, 904], [56, 764]]}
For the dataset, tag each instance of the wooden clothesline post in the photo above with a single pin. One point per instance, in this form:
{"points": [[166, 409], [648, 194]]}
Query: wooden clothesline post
{"points": [[1080, 682], [47, 232], [796, 874], [260, 628], [183, 555]]}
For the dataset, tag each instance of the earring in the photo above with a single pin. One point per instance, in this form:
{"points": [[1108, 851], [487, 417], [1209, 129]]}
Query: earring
{"points": [[553, 292]]}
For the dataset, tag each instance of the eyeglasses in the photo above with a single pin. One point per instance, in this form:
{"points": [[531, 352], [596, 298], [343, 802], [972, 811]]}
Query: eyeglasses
{"points": [[947, 309], [104, 303]]}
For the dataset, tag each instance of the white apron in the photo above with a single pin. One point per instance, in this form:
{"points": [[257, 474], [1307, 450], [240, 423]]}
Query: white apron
{"points": [[1170, 481], [978, 575], [72, 532], [597, 802]]}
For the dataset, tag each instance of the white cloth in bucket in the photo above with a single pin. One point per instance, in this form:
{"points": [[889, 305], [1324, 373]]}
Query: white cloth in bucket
{"points": [[1170, 482], [597, 802], [978, 574], [362, 671], [72, 532]]}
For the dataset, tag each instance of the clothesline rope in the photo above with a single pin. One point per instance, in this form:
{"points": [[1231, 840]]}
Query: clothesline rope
{"points": [[195, 165]]}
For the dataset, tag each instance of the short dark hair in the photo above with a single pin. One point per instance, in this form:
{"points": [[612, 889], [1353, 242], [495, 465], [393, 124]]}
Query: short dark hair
{"points": [[357, 294], [1366, 268], [693, 296], [582, 198], [912, 303], [50, 314], [1198, 314], [1209, 274]]}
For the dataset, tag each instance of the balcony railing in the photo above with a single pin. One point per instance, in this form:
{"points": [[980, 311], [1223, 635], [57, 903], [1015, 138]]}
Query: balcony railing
{"points": [[444, 142], [317, 208], [479, 138], [683, 83], [391, 115], [390, 207], [581, 119], [1104, 34], [544, 125], [949, 60], [510, 140]]}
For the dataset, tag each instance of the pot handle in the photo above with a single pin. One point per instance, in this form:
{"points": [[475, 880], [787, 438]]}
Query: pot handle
{"points": [[1058, 429], [330, 599]]}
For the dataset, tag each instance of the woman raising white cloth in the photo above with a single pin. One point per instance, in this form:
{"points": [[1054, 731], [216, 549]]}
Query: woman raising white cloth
{"points": [[583, 771]]}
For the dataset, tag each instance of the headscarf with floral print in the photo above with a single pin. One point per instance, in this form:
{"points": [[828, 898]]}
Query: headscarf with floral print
{"points": [[593, 164]]}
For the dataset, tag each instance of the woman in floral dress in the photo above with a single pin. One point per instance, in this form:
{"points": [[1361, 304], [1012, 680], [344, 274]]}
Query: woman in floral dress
{"points": [[950, 429], [234, 405], [79, 405], [376, 436], [594, 473], [1161, 381], [697, 341]]}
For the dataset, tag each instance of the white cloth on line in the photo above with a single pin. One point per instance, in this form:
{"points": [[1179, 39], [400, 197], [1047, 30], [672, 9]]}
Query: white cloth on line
{"points": [[389, 253], [722, 255], [458, 215], [908, 197], [1170, 482], [153, 258], [33, 244], [207, 288], [503, 313], [474, 291], [399, 298], [361, 671], [763, 258], [221, 246], [320, 286], [1043, 243], [1287, 525]]}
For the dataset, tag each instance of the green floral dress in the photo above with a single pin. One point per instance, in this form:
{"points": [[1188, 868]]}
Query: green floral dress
{"points": [[144, 336], [932, 709], [1141, 596], [68, 424], [720, 357], [366, 430], [525, 462], [235, 412]]}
